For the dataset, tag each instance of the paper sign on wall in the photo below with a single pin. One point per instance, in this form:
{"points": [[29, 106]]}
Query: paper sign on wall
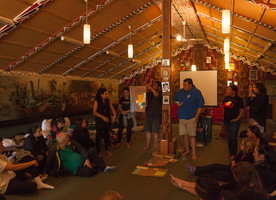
{"points": [[137, 98]]}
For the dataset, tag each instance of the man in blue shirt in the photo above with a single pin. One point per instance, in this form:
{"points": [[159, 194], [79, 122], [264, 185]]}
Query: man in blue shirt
{"points": [[190, 103]]}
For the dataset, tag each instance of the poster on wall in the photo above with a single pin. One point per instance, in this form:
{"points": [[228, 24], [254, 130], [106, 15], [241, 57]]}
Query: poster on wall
{"points": [[137, 98], [34, 97]]}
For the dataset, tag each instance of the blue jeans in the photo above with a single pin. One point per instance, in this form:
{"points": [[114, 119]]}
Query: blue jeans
{"points": [[232, 130]]}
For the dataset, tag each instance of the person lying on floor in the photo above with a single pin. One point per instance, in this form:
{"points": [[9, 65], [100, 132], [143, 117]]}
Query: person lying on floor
{"points": [[223, 172], [12, 176], [69, 156], [205, 187]]}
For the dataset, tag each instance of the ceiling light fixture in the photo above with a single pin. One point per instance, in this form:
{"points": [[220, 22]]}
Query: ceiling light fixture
{"points": [[179, 38], [6, 21], [86, 28], [226, 45], [226, 58], [226, 21], [130, 46]]}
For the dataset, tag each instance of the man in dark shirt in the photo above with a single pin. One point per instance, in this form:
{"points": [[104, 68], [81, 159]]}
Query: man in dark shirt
{"points": [[153, 113]]}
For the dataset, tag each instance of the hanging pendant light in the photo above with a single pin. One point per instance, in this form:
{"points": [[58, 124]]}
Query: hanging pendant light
{"points": [[227, 66], [226, 45], [130, 46], [226, 21], [130, 51], [86, 29], [193, 68], [226, 59]]}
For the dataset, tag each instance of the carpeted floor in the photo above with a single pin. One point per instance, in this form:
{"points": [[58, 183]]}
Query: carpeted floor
{"points": [[133, 187]]}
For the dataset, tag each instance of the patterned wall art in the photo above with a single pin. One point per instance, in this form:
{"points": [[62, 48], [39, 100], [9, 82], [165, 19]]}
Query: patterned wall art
{"points": [[39, 97]]}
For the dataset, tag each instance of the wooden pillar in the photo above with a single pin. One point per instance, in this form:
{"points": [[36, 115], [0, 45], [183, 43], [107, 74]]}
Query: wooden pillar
{"points": [[167, 139]]}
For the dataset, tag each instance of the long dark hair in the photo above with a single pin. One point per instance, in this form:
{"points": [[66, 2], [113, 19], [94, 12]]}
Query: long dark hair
{"points": [[56, 120], [269, 155], [248, 178], [208, 188], [254, 129], [99, 93], [79, 123], [32, 130], [261, 88]]}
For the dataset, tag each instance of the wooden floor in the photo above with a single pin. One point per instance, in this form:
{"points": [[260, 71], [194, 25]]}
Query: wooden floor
{"points": [[133, 187]]}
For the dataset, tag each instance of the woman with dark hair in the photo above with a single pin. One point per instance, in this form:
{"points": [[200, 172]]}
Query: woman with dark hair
{"points": [[265, 163], [36, 144], [101, 110], [81, 135], [126, 118], [258, 102], [248, 179], [254, 134], [233, 111], [205, 187], [58, 125]]}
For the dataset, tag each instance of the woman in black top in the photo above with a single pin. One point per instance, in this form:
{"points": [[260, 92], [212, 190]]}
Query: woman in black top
{"points": [[233, 111], [101, 110], [125, 118], [258, 102], [36, 144], [81, 135]]}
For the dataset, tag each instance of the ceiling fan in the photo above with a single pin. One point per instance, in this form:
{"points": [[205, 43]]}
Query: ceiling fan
{"points": [[184, 39]]}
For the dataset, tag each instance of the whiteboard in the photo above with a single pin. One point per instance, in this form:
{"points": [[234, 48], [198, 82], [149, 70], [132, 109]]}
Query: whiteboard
{"points": [[205, 81]]}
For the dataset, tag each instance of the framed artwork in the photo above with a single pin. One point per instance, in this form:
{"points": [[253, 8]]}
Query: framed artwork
{"points": [[188, 64], [165, 86], [229, 83], [253, 75], [236, 83], [208, 59], [166, 99], [235, 74], [229, 75]]}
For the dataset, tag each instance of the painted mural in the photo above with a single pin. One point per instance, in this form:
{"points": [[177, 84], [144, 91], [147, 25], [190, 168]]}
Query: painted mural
{"points": [[32, 97]]}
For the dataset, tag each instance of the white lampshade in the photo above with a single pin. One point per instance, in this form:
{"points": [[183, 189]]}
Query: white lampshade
{"points": [[86, 34], [193, 68], [226, 21], [226, 58], [130, 51], [226, 45], [227, 65]]}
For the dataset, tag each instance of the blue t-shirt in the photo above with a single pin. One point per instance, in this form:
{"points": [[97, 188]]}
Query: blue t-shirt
{"points": [[192, 100]]}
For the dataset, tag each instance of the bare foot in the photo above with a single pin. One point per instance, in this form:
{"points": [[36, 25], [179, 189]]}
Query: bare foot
{"points": [[146, 148], [194, 157], [185, 153], [128, 145], [108, 152]]}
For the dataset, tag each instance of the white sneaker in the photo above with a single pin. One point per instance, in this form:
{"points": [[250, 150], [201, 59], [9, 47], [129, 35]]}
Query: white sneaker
{"points": [[110, 168]]}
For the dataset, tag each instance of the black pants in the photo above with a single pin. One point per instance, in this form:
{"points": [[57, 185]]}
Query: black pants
{"points": [[102, 132], [219, 171], [19, 185], [97, 163], [32, 170], [121, 128]]}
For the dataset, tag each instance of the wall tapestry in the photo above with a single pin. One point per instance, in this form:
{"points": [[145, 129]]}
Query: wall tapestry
{"points": [[36, 97]]}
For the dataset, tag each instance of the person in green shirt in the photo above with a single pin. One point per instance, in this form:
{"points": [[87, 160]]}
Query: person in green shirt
{"points": [[69, 156]]}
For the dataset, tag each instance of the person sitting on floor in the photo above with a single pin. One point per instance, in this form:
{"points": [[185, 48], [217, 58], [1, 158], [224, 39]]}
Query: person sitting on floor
{"points": [[254, 134], [223, 172], [249, 180], [58, 125], [112, 195], [81, 135], [69, 156], [13, 184], [205, 187], [36, 144]]}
